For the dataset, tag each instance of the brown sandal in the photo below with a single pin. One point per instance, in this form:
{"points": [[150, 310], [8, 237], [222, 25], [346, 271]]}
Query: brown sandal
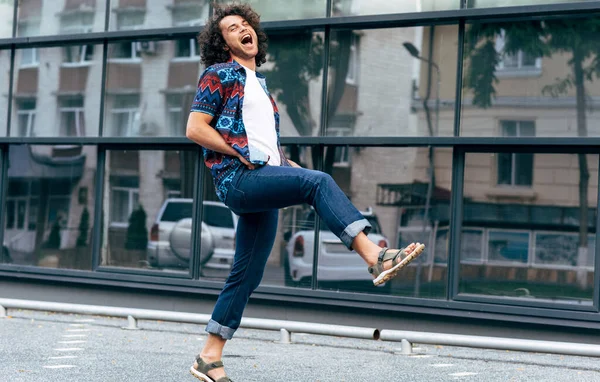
{"points": [[201, 368], [399, 260]]}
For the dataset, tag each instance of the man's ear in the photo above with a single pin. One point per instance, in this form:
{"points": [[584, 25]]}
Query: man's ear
{"points": [[226, 48]]}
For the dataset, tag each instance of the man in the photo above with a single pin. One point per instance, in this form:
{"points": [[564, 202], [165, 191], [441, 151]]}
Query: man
{"points": [[236, 121]]}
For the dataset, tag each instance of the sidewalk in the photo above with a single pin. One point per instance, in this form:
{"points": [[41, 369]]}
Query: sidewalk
{"points": [[38, 346]]}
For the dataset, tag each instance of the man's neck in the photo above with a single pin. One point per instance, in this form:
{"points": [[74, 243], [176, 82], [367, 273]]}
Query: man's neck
{"points": [[248, 63]]}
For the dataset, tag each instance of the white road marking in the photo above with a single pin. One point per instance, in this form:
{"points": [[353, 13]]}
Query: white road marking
{"points": [[59, 366], [442, 365], [463, 374], [63, 357], [74, 335], [68, 349], [78, 330], [71, 342], [84, 320], [78, 325], [420, 356]]}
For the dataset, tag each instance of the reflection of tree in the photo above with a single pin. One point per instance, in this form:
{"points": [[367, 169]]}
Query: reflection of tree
{"points": [[294, 65], [84, 226], [576, 38], [137, 234]]}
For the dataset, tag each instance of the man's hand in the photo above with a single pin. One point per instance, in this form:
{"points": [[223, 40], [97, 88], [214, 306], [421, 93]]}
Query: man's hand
{"points": [[245, 162]]}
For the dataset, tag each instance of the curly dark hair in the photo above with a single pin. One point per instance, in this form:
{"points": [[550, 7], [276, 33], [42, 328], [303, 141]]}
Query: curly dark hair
{"points": [[211, 40]]}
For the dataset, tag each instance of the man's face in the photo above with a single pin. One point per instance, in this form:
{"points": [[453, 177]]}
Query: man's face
{"points": [[239, 36]]}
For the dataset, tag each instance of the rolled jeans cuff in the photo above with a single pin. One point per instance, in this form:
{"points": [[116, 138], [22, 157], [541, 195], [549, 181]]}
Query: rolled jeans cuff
{"points": [[352, 230], [213, 327]]}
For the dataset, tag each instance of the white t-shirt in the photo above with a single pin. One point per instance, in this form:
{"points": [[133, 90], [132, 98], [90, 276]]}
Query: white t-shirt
{"points": [[259, 120]]}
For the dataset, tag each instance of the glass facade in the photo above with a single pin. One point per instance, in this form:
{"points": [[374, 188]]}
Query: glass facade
{"points": [[476, 137]]}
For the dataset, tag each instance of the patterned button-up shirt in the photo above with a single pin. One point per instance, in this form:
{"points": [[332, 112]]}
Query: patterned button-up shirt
{"points": [[221, 94]]}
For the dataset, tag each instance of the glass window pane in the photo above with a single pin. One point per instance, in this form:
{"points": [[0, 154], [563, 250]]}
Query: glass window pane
{"points": [[147, 227], [36, 17], [372, 7], [63, 93], [272, 10], [508, 247], [150, 87], [404, 206], [524, 239], [538, 74], [412, 92], [512, 3], [143, 14], [49, 205]]}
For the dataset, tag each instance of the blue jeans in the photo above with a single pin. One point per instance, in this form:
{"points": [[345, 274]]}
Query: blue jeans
{"points": [[256, 196]]}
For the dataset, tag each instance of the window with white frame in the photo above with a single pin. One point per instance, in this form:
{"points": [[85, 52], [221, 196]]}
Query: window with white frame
{"points": [[471, 245], [519, 62], [561, 249], [509, 247], [353, 60], [124, 200], [77, 23], [78, 54], [72, 123], [124, 51], [186, 49], [26, 118], [516, 169], [30, 56], [342, 153], [127, 20], [175, 124], [21, 205], [125, 116], [189, 14]]}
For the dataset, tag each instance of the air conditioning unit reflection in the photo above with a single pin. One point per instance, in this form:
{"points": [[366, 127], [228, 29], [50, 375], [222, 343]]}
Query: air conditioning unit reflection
{"points": [[148, 47]]}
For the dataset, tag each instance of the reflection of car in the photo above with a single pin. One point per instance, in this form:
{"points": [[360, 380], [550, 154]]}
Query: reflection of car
{"points": [[5, 254], [170, 236], [336, 262]]}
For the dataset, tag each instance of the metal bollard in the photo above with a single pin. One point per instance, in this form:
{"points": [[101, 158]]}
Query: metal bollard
{"points": [[286, 336], [131, 323], [2, 311], [405, 347]]}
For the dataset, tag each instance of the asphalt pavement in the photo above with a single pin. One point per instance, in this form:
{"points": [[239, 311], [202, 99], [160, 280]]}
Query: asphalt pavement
{"points": [[42, 346]]}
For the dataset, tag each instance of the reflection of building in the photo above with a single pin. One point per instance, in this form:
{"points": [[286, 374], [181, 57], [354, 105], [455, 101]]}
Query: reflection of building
{"points": [[45, 189], [521, 210], [115, 124]]}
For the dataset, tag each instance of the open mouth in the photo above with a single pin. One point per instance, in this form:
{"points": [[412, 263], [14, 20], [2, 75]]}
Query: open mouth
{"points": [[247, 40]]}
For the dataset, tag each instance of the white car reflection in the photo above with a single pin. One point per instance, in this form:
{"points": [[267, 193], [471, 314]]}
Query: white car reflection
{"points": [[336, 262], [171, 236]]}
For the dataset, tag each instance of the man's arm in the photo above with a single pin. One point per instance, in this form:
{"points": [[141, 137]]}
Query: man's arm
{"points": [[200, 131]]}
